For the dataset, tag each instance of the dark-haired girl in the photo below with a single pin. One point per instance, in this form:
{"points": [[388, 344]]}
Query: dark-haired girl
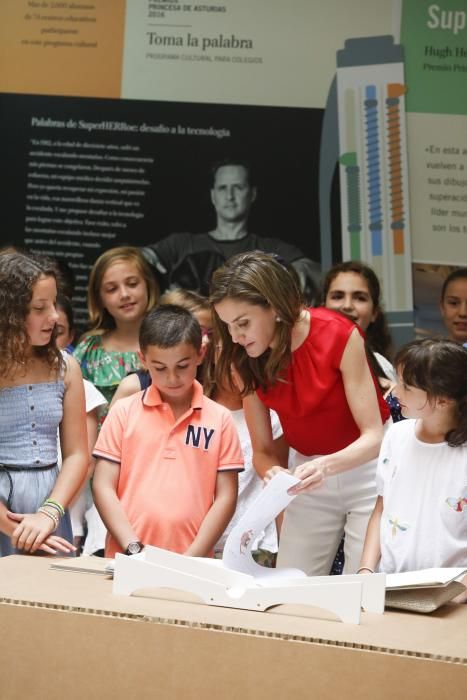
{"points": [[353, 289], [420, 517]]}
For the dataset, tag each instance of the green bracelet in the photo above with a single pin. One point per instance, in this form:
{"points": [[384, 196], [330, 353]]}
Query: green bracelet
{"points": [[55, 504]]}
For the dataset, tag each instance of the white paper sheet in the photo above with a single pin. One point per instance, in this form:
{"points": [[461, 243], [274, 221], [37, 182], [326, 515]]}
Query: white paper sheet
{"points": [[424, 578], [237, 551]]}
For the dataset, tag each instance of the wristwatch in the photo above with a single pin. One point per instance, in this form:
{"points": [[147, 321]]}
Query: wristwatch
{"points": [[134, 548]]}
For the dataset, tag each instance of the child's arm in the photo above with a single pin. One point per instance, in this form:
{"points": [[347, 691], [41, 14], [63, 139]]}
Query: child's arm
{"points": [[104, 490], [92, 421], [218, 516], [128, 386], [52, 544], [372, 546], [34, 528], [73, 438]]}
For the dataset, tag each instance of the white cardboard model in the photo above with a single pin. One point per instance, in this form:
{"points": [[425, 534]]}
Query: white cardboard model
{"points": [[239, 582]]}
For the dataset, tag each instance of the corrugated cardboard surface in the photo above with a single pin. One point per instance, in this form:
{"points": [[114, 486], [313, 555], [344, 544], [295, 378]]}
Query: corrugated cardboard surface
{"points": [[64, 634]]}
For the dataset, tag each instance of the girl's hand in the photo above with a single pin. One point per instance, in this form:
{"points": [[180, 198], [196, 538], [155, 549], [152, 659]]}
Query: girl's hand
{"points": [[32, 531], [52, 544], [271, 473], [311, 474], [55, 544]]}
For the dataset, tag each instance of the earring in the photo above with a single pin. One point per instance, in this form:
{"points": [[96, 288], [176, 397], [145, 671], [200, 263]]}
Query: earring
{"points": [[278, 319]]}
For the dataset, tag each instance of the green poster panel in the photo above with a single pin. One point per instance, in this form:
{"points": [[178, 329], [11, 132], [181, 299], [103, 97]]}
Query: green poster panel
{"points": [[434, 36]]}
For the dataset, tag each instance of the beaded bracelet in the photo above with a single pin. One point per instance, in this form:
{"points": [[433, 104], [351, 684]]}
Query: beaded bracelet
{"points": [[54, 508], [55, 504], [50, 515]]}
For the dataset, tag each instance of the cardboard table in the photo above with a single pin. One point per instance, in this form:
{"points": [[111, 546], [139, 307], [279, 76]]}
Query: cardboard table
{"points": [[66, 635]]}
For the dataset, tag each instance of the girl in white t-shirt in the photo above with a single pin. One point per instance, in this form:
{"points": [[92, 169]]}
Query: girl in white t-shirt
{"points": [[420, 517]]}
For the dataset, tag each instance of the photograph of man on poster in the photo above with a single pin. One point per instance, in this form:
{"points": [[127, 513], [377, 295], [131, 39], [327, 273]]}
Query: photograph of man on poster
{"points": [[188, 260]]}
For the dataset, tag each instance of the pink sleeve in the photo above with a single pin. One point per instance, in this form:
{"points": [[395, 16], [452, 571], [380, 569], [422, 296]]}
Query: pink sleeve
{"points": [[230, 453], [109, 442]]}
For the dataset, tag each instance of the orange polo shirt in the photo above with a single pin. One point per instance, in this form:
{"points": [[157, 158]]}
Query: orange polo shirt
{"points": [[168, 467]]}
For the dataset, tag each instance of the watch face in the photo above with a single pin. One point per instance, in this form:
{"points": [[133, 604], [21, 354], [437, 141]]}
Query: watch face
{"points": [[134, 548]]}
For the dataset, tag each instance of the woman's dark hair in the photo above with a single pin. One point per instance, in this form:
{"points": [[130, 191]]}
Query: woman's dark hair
{"points": [[439, 367], [19, 272], [459, 274], [377, 334], [169, 325], [260, 280]]}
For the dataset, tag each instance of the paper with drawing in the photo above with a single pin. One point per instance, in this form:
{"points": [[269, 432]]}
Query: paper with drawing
{"points": [[271, 501]]}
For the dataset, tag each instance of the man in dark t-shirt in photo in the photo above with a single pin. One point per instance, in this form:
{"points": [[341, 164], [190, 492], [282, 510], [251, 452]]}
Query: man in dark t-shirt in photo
{"points": [[188, 259]]}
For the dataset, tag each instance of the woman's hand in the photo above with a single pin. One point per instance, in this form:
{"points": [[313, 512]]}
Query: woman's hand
{"points": [[32, 530], [311, 475], [271, 473]]}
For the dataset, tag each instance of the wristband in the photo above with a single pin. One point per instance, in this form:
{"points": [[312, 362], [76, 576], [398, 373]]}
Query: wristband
{"points": [[54, 504], [51, 516]]}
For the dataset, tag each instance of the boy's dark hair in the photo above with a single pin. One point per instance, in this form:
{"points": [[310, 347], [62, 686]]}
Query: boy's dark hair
{"points": [[169, 325], [439, 367]]}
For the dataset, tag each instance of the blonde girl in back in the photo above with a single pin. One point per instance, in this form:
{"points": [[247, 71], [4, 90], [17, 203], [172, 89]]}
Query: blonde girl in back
{"points": [[121, 290]]}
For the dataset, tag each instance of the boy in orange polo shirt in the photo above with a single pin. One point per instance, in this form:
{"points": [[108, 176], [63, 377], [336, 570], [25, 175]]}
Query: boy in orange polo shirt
{"points": [[167, 457]]}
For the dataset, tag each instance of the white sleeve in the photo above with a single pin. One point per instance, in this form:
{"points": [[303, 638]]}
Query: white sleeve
{"points": [[384, 462], [93, 396], [276, 426], [386, 366]]}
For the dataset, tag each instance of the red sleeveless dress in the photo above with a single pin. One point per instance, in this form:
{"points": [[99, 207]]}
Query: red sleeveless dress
{"points": [[310, 399]]}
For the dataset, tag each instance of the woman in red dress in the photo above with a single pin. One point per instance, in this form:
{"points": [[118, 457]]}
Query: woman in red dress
{"points": [[310, 366]]}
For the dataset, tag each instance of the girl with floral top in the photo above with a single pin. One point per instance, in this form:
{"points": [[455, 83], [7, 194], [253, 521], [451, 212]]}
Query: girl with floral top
{"points": [[121, 290]]}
